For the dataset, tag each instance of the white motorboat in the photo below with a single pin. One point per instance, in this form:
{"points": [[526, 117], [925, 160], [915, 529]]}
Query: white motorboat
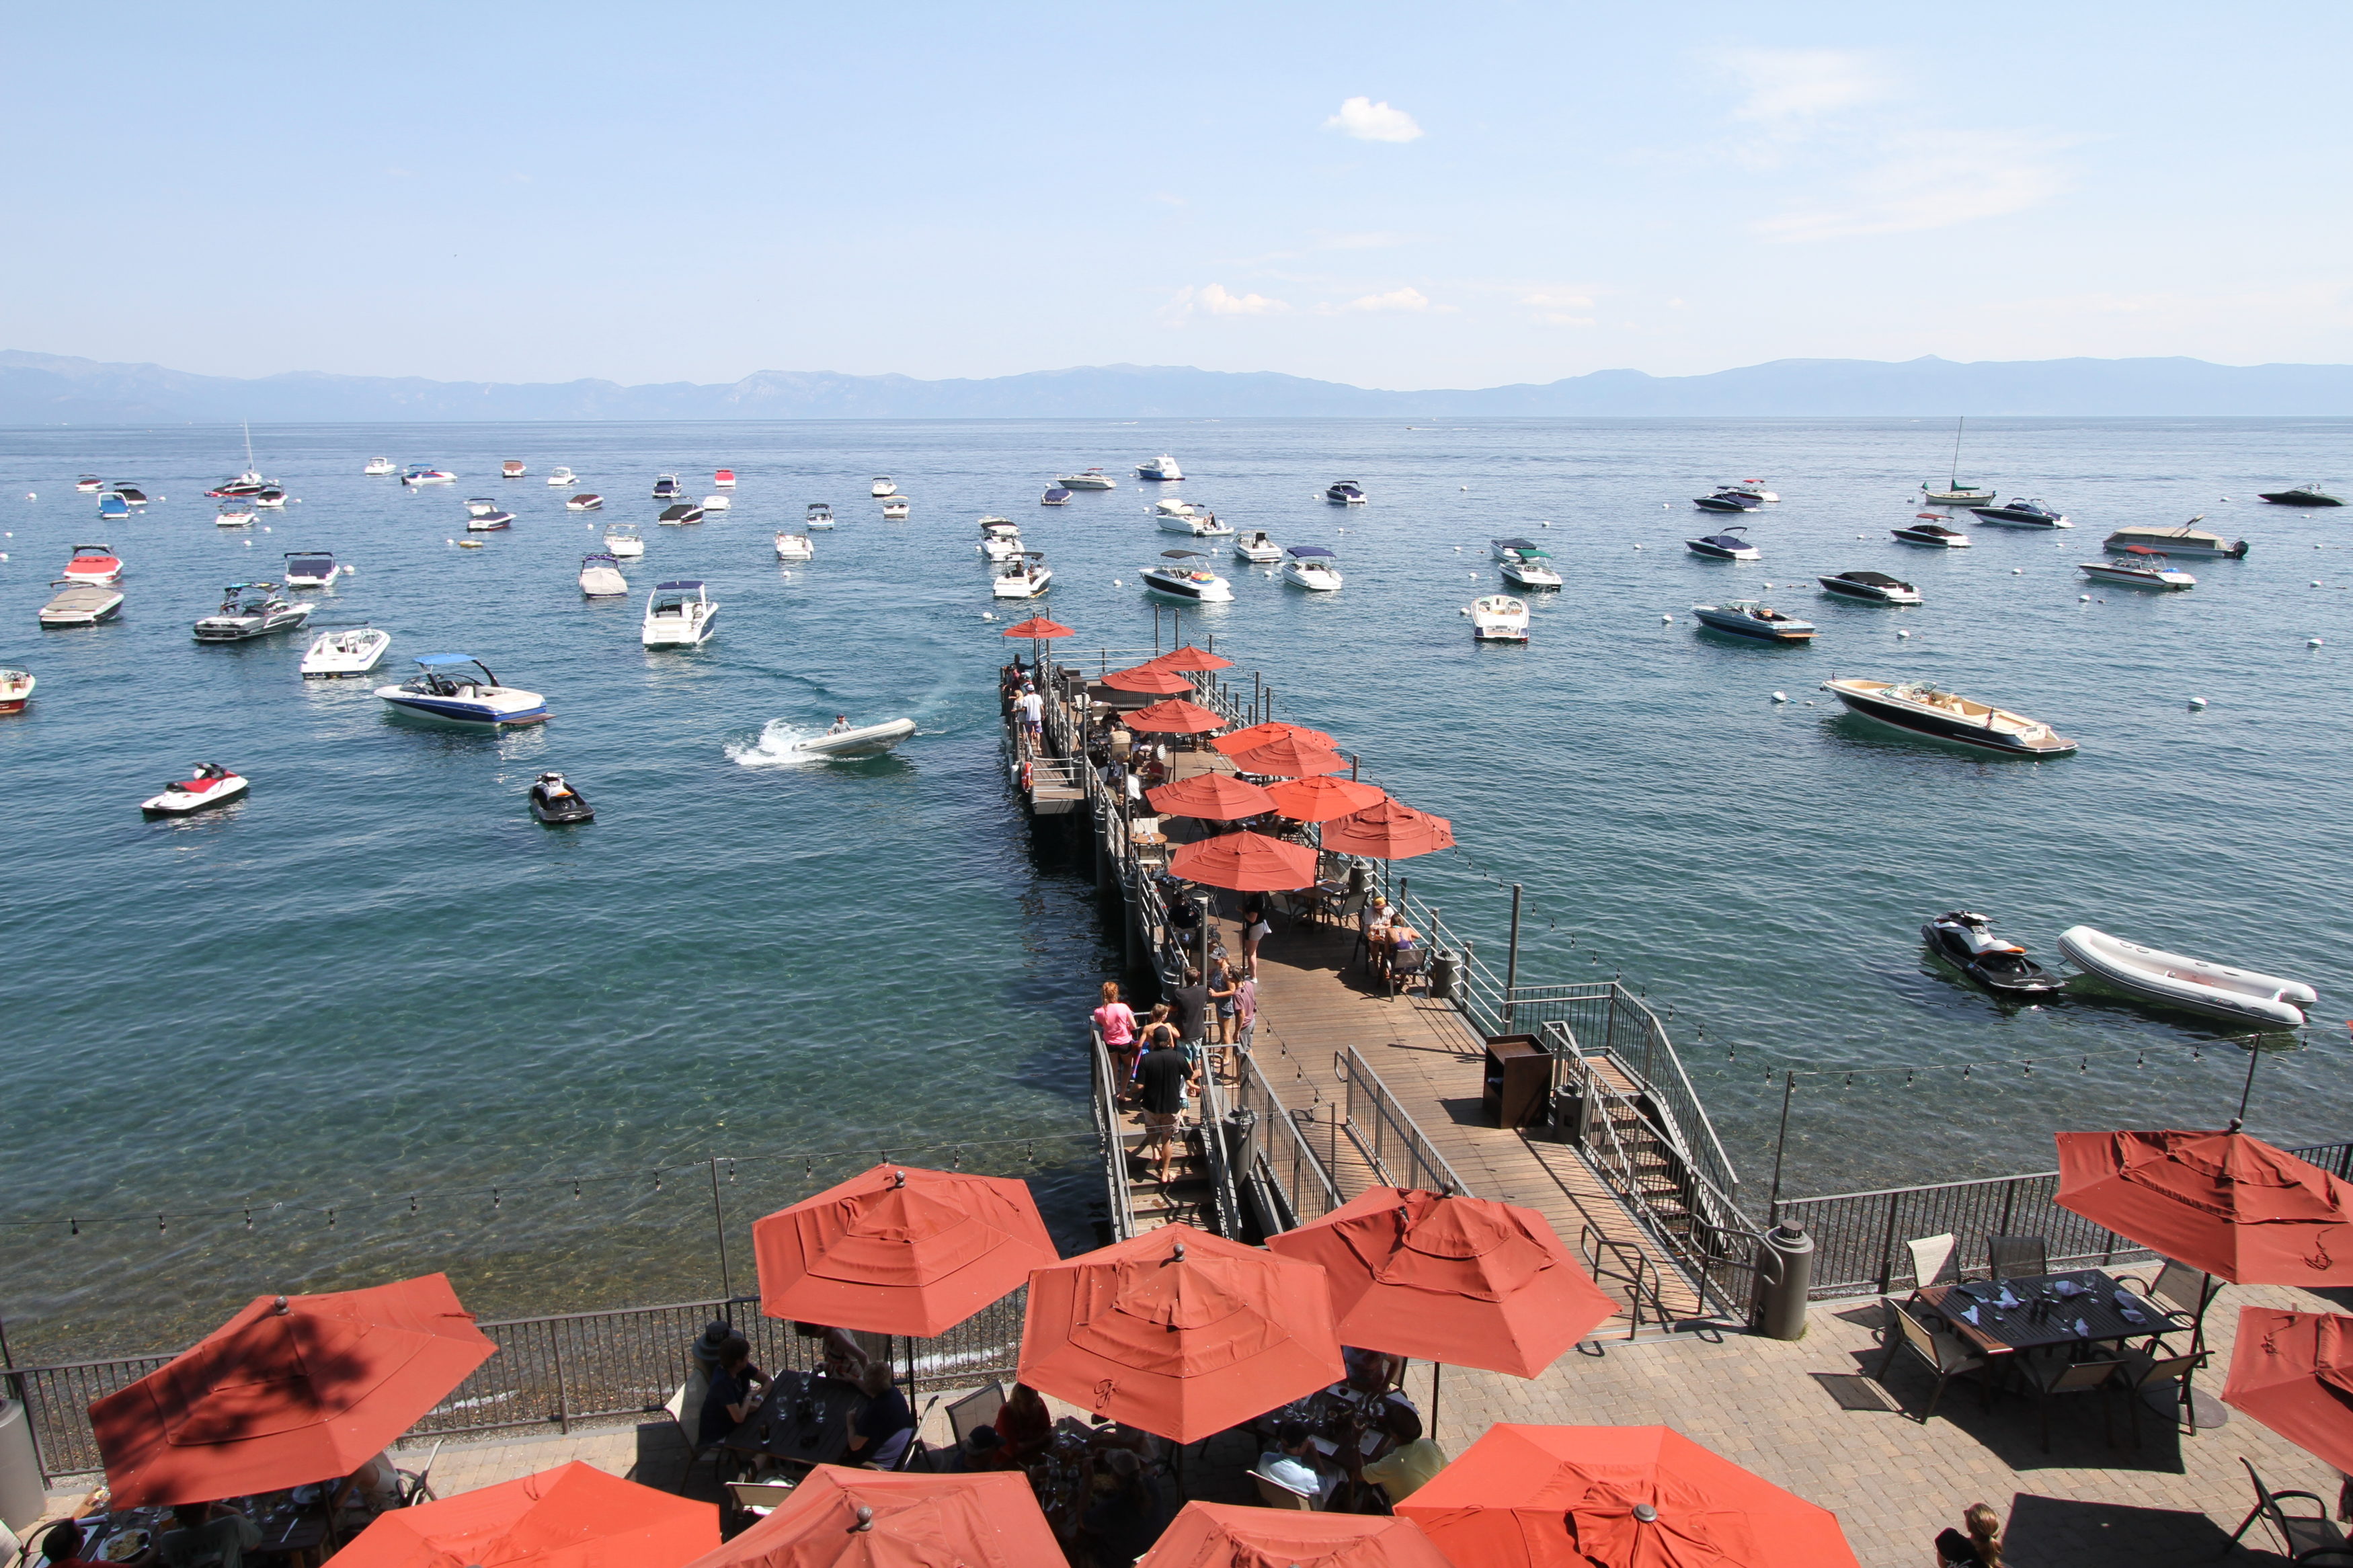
{"points": [[884, 485], [679, 614], [600, 576], [1732, 544], [235, 514], [1876, 586], [489, 521], [1934, 535], [623, 542], [81, 605], [381, 466], [93, 563], [1197, 523], [1162, 467], [16, 689], [212, 785], [1313, 567], [560, 476], [725, 479], [1499, 617], [586, 501], [667, 488], [1024, 575], [1345, 493], [1175, 577], [2193, 984], [999, 538], [1924, 710], [858, 741], [718, 503], [680, 515], [794, 546], [271, 497], [512, 470], [346, 651], [1090, 480], [443, 688], [480, 506], [894, 511], [310, 568], [419, 474], [1176, 506], [1257, 549], [1753, 489], [93, 482], [1530, 568], [1753, 618], [137, 497], [252, 610], [2139, 567], [2187, 540], [819, 518], [1055, 494]]}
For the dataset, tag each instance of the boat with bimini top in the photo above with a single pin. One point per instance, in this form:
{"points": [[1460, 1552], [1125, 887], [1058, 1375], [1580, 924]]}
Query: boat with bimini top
{"points": [[444, 689]]}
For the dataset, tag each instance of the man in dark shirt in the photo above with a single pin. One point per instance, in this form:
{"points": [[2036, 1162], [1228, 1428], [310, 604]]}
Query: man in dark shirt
{"points": [[1192, 1000], [735, 1391], [1164, 1074], [884, 1416]]}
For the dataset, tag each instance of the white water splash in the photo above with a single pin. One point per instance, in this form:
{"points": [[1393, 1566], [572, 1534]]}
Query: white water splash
{"points": [[776, 747]]}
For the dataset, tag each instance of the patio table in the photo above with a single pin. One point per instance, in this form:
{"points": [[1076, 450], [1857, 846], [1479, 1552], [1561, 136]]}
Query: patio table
{"points": [[2043, 1316]]}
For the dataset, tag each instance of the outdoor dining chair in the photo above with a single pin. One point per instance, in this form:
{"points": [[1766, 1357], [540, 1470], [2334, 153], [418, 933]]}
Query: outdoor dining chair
{"points": [[2184, 1293], [2143, 1372], [1933, 1260], [1945, 1355], [2310, 1538], [2053, 1376], [2018, 1256], [1408, 968], [1273, 1493], [975, 1410], [759, 1499], [416, 1485]]}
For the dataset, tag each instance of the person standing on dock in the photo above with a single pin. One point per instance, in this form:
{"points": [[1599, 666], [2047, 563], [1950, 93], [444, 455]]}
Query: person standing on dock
{"points": [[1033, 711], [1116, 1023], [1167, 1074]]}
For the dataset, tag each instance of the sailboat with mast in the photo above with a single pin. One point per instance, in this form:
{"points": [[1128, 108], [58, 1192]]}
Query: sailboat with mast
{"points": [[1956, 494], [247, 484]]}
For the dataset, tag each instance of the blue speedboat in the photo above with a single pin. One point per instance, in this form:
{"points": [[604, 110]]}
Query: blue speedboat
{"points": [[1729, 545], [111, 507], [458, 688], [1056, 495], [1728, 500]]}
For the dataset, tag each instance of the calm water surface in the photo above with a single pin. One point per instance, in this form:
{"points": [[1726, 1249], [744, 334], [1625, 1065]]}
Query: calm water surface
{"points": [[378, 988]]}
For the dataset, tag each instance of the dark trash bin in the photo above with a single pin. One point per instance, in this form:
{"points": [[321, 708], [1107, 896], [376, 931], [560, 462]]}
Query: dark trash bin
{"points": [[1443, 964]]}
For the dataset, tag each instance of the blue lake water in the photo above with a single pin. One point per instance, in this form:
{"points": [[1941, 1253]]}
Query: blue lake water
{"points": [[377, 987]]}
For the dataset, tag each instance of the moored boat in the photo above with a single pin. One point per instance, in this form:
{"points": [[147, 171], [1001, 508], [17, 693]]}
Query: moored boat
{"points": [[793, 546], [1732, 544], [345, 650], [111, 507], [93, 563], [1345, 493], [491, 522], [310, 568], [235, 514], [725, 479], [1024, 575], [820, 516], [1935, 535], [999, 538], [419, 474], [252, 610], [623, 542], [1162, 467], [511, 468], [16, 689], [883, 485], [667, 488], [1753, 618], [1876, 586], [1088, 479], [1967, 941], [1175, 577], [82, 604], [1727, 500], [89, 482], [679, 614], [554, 802], [443, 688], [2196, 986], [2187, 540], [1056, 495], [1257, 549], [1313, 567], [1530, 568], [2022, 513], [2139, 567], [720, 503], [600, 576], [586, 501], [377, 466], [1499, 617], [560, 476], [1923, 710], [894, 509], [2301, 495], [680, 515]]}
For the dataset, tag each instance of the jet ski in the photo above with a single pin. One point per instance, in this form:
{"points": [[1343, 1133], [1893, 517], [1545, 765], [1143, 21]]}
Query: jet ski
{"points": [[213, 785], [1968, 941], [557, 803]]}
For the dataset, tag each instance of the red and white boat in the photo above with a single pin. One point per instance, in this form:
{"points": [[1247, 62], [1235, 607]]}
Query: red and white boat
{"points": [[512, 469], [16, 689], [725, 479], [93, 563], [212, 785]]}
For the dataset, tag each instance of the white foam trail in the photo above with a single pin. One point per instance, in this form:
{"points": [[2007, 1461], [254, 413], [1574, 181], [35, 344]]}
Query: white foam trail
{"points": [[776, 747]]}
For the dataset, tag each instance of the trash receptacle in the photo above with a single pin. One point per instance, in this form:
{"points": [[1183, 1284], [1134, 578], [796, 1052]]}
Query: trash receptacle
{"points": [[1442, 965], [22, 1496], [1784, 1276]]}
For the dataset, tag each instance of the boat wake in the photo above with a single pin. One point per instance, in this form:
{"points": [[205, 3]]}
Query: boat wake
{"points": [[776, 747]]}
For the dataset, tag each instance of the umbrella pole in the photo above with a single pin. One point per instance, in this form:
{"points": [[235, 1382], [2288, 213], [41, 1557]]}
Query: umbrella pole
{"points": [[1436, 1368], [2255, 1055]]}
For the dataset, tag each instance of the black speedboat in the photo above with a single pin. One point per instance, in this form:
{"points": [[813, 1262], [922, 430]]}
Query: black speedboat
{"points": [[1727, 500], [1876, 586], [1968, 942], [1345, 493], [1729, 545], [557, 803], [2022, 513], [2303, 495]]}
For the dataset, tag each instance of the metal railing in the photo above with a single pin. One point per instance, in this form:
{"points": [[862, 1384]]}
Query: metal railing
{"points": [[554, 1371], [1388, 1136], [1860, 1238], [1215, 1153], [1119, 1200], [1281, 1155]]}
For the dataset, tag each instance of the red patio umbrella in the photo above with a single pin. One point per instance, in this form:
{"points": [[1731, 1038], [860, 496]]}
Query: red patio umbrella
{"points": [[574, 1516], [1246, 863], [1616, 1496], [2294, 1372], [1390, 830], [2224, 1202], [1038, 627], [1212, 797], [1189, 658], [1321, 799], [898, 1250], [874, 1519], [1258, 735], [1221, 1535], [292, 1390], [1452, 1280], [1173, 717], [1144, 678], [1288, 757], [1179, 1333]]}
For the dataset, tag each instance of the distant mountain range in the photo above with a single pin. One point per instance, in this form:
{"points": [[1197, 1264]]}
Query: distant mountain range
{"points": [[53, 389]]}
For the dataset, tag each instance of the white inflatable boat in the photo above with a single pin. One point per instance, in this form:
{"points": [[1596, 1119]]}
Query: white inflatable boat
{"points": [[866, 740], [2195, 985]]}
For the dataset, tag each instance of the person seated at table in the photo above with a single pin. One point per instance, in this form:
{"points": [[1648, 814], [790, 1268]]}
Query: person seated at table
{"points": [[1373, 1376], [205, 1533], [1024, 1423], [1291, 1464], [63, 1542], [375, 1487], [1124, 1520], [880, 1431], [981, 1451], [1404, 1466], [735, 1391]]}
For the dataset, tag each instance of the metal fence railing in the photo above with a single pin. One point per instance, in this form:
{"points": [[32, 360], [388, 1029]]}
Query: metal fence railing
{"points": [[1858, 1237], [1388, 1136], [1121, 1202], [554, 1371], [1281, 1155]]}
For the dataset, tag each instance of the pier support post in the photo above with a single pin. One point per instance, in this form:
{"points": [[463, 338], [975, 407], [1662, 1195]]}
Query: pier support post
{"points": [[1512, 960]]}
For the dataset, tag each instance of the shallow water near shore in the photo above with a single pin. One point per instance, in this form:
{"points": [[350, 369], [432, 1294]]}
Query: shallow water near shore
{"points": [[377, 987]]}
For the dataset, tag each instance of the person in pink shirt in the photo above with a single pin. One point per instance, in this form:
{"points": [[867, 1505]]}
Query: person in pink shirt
{"points": [[1117, 1022]]}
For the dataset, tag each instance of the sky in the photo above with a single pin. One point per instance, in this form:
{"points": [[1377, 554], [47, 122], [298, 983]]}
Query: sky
{"points": [[1390, 195]]}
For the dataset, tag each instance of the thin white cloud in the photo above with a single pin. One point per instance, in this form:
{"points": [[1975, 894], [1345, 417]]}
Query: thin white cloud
{"points": [[1369, 122], [1787, 86], [1216, 299], [1557, 310], [1407, 299], [1929, 179]]}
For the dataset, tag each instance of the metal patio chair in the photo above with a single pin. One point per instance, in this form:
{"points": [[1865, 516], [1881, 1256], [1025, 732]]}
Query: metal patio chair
{"points": [[2310, 1538], [1945, 1355], [1933, 1260], [2143, 1372], [2053, 1376], [2184, 1293], [2018, 1256]]}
